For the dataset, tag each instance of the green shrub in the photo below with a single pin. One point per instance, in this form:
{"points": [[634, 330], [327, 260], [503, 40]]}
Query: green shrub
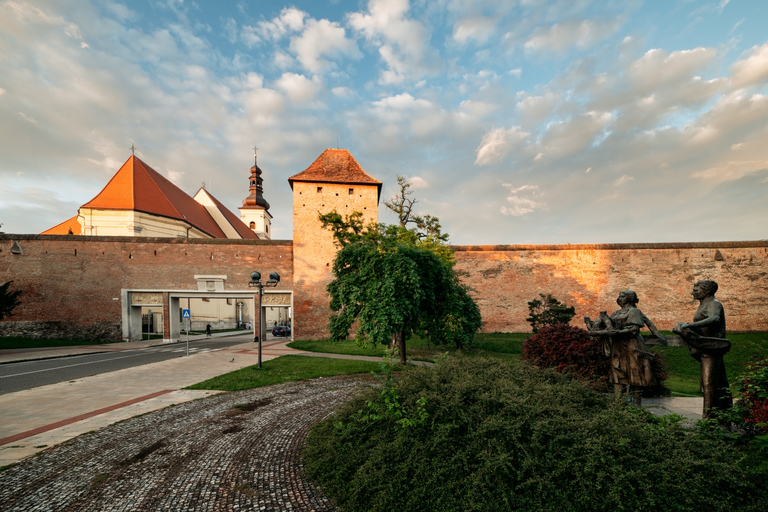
{"points": [[548, 311], [506, 436]]}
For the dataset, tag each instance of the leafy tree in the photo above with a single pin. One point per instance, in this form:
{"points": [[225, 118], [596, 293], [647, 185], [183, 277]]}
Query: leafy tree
{"points": [[8, 300], [396, 280], [548, 311], [394, 290]]}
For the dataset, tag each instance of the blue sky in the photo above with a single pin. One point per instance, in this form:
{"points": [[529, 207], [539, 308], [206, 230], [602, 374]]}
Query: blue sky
{"points": [[562, 121]]}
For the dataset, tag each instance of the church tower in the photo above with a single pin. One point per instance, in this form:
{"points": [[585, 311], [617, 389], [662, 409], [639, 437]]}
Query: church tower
{"points": [[255, 210]]}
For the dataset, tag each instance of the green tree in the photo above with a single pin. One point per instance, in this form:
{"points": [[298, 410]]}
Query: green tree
{"points": [[397, 281], [8, 300], [548, 311], [394, 290]]}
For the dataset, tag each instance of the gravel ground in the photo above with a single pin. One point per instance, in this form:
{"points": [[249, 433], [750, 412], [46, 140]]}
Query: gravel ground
{"points": [[233, 451]]}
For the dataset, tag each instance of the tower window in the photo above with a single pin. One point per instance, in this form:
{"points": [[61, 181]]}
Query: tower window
{"points": [[319, 189], [252, 225], [351, 191]]}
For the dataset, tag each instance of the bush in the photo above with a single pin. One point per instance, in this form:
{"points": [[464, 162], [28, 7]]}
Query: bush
{"points": [[749, 414], [548, 311], [492, 435], [568, 349]]}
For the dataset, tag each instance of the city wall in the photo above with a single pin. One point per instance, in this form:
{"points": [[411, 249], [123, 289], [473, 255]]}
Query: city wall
{"points": [[71, 285], [590, 277]]}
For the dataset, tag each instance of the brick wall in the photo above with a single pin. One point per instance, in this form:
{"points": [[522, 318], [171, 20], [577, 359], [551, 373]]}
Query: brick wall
{"points": [[314, 249], [590, 277], [71, 284]]}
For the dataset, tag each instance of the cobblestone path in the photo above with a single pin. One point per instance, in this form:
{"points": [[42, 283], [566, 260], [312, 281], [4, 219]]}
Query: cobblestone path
{"points": [[233, 451]]}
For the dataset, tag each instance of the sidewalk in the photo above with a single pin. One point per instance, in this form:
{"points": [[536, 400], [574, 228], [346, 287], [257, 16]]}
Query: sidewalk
{"points": [[48, 415], [33, 419]]}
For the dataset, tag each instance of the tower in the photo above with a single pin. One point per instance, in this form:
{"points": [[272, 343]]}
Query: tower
{"points": [[255, 210], [334, 181]]}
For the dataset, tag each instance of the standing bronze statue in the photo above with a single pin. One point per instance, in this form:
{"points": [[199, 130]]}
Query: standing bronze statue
{"points": [[631, 363], [705, 338]]}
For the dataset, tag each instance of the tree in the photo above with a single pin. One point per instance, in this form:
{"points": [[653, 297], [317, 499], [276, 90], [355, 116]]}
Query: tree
{"points": [[394, 290], [548, 311], [396, 281], [8, 300]]}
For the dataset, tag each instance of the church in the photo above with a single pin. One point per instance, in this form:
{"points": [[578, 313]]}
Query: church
{"points": [[139, 201]]}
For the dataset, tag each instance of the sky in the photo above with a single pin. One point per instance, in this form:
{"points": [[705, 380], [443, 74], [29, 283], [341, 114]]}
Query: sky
{"points": [[515, 121]]}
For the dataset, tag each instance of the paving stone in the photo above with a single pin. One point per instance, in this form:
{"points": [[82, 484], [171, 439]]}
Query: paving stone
{"points": [[206, 455]]}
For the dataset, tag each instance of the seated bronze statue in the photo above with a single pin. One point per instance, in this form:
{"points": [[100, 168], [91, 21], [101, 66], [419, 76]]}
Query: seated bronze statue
{"points": [[705, 337]]}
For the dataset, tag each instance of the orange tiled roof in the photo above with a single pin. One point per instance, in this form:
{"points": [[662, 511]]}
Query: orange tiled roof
{"points": [[237, 223], [335, 166], [68, 227], [136, 186]]}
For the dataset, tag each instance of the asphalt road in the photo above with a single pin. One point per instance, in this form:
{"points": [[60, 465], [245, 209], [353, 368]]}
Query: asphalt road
{"points": [[31, 374]]}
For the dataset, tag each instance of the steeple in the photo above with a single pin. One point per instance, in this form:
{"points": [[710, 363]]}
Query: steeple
{"points": [[255, 210], [256, 198]]}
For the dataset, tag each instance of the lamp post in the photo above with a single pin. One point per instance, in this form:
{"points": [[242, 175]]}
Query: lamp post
{"points": [[255, 282]]}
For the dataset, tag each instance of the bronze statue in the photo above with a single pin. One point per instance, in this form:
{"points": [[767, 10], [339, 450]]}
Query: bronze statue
{"points": [[631, 368], [705, 338]]}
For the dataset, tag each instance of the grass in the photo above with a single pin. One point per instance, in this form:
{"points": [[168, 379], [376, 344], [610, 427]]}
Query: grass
{"points": [[17, 342], [683, 370], [285, 369], [501, 345]]}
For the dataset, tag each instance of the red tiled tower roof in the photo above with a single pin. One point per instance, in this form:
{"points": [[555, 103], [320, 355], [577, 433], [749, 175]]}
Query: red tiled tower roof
{"points": [[335, 166], [136, 186]]}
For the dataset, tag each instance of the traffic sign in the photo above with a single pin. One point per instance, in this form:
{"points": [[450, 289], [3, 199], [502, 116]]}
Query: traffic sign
{"points": [[185, 313]]}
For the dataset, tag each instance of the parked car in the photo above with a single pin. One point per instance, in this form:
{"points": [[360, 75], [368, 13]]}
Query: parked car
{"points": [[281, 330]]}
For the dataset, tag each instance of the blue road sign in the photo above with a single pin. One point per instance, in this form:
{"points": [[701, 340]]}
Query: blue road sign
{"points": [[185, 313]]}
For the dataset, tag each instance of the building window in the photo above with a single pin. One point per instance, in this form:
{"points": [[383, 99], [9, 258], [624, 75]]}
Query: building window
{"points": [[319, 189], [252, 225], [351, 191]]}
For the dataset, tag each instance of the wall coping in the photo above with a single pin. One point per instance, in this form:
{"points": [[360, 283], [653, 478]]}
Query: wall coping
{"points": [[617, 247], [144, 239]]}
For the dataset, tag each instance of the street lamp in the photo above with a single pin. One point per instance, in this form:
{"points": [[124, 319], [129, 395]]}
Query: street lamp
{"points": [[255, 282]]}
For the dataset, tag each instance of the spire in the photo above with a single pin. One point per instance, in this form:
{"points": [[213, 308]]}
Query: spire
{"points": [[256, 199]]}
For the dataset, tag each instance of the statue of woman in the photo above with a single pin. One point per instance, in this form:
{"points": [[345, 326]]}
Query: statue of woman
{"points": [[630, 369]]}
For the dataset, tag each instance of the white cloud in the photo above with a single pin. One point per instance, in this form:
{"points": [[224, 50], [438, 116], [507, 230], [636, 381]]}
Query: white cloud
{"points": [[752, 70], [477, 28], [298, 88], [403, 43], [322, 40], [622, 180], [519, 205], [417, 182], [561, 37], [497, 144]]}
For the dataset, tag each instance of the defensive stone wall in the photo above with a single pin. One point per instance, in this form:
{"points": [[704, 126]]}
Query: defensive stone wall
{"points": [[71, 285], [504, 278]]}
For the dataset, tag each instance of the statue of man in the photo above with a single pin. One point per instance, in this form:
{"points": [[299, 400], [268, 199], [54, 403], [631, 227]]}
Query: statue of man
{"points": [[705, 338]]}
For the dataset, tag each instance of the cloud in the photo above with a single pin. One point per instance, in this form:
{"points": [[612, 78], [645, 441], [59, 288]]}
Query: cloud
{"points": [[518, 205], [403, 43], [298, 88], [417, 182], [622, 180], [477, 28], [751, 71], [497, 144], [322, 39], [561, 37]]}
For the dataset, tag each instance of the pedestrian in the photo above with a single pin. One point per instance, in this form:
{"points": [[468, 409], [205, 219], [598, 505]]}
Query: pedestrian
{"points": [[208, 331]]}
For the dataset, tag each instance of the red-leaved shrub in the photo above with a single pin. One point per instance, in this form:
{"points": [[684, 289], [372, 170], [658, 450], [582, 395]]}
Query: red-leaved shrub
{"points": [[568, 349]]}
